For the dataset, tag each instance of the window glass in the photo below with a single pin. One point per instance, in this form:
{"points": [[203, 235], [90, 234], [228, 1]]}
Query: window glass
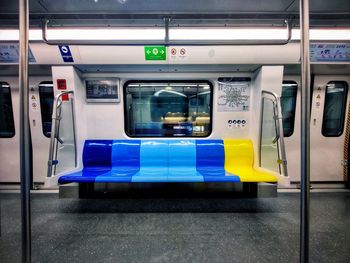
{"points": [[7, 124], [288, 104], [334, 108], [163, 109], [46, 104]]}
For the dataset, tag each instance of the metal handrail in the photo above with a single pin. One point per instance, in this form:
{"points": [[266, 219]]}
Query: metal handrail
{"points": [[280, 135], [166, 41], [54, 129]]}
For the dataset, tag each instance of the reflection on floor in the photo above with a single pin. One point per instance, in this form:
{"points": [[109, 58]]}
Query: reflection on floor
{"points": [[176, 229]]}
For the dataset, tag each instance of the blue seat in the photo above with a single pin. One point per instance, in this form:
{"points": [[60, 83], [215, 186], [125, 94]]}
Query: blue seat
{"points": [[211, 161], [124, 161], [107, 161], [96, 161]]}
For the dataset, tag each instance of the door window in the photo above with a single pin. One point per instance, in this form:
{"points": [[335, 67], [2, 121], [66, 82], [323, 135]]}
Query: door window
{"points": [[46, 104], [7, 124], [288, 104], [334, 108]]}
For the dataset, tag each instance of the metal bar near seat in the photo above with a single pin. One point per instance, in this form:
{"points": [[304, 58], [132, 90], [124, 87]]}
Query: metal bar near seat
{"points": [[54, 131], [280, 135]]}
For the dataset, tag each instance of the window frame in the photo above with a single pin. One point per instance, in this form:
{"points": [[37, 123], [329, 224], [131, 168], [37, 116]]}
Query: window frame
{"points": [[136, 81], [343, 113], [13, 134], [41, 108], [295, 104]]}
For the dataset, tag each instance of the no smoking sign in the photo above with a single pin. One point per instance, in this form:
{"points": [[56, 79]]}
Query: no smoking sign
{"points": [[182, 52], [178, 53]]}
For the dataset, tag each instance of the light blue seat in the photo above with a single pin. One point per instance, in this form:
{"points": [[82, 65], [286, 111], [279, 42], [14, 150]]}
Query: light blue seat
{"points": [[153, 161], [182, 162]]}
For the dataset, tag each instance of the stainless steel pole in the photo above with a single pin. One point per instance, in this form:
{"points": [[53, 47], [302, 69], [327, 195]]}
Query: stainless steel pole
{"points": [[24, 130], [305, 131]]}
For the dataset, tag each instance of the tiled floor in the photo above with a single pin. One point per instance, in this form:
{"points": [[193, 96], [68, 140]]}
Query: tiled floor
{"points": [[177, 229]]}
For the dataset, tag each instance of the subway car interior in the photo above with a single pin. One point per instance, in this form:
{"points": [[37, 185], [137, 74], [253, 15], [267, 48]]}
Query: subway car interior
{"points": [[174, 131]]}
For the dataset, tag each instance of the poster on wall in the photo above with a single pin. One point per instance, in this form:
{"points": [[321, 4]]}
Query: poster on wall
{"points": [[233, 96]]}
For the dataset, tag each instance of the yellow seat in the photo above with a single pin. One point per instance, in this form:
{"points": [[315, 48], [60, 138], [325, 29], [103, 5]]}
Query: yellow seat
{"points": [[239, 160]]}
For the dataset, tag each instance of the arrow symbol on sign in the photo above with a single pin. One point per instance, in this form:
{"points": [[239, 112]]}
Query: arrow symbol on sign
{"points": [[162, 52], [148, 52]]}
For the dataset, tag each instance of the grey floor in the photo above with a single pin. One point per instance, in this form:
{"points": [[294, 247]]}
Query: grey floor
{"points": [[177, 229]]}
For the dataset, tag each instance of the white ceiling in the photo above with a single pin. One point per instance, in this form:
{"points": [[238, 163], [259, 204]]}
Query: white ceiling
{"points": [[105, 12]]}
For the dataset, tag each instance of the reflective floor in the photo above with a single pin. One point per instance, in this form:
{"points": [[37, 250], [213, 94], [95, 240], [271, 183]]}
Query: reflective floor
{"points": [[177, 228]]}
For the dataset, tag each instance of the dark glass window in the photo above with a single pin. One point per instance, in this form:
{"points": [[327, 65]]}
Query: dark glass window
{"points": [[7, 124], [168, 109], [46, 104], [288, 104], [334, 108]]}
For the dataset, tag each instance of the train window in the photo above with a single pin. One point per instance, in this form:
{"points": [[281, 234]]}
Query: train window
{"points": [[288, 104], [334, 108], [7, 124], [168, 109], [46, 104]]}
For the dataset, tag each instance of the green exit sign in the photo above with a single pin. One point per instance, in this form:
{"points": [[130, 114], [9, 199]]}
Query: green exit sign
{"points": [[155, 53]]}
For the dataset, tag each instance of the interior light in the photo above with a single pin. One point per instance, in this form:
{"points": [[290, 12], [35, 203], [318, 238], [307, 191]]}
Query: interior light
{"points": [[168, 88], [169, 91], [204, 92], [330, 34], [13, 34], [254, 34], [226, 34], [107, 34], [88, 34], [316, 34]]}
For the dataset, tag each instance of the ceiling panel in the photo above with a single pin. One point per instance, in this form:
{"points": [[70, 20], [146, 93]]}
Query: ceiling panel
{"points": [[183, 12], [324, 6], [173, 6], [11, 6], [165, 6]]}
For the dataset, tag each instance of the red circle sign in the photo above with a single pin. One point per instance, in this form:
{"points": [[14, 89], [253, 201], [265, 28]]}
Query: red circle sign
{"points": [[173, 51], [182, 51]]}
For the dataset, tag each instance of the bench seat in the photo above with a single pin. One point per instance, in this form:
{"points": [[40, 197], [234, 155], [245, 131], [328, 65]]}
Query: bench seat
{"points": [[125, 161], [239, 156]]}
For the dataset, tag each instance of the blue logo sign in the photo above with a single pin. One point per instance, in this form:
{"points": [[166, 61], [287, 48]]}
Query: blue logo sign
{"points": [[66, 54]]}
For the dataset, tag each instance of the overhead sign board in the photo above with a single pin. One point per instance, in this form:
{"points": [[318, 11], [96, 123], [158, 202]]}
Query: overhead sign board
{"points": [[155, 53], [330, 52], [9, 53]]}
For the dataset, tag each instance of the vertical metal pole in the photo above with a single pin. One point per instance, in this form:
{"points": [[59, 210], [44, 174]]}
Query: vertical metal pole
{"points": [[24, 130], [166, 26], [305, 131]]}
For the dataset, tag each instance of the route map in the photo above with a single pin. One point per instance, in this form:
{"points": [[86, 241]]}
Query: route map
{"points": [[233, 96]]}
